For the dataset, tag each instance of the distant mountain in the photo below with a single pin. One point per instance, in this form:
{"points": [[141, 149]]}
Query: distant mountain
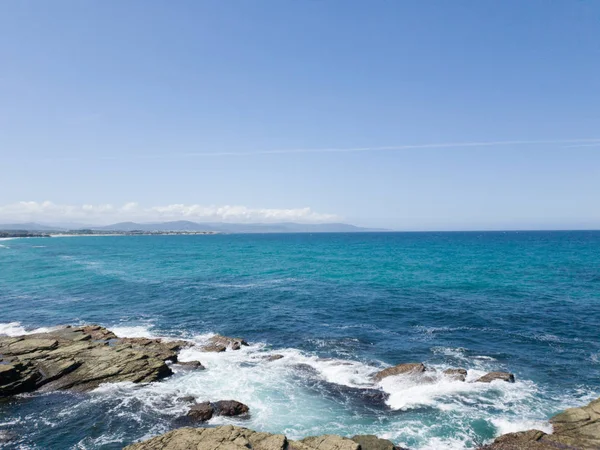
{"points": [[28, 226], [179, 225], [186, 225], [286, 227]]}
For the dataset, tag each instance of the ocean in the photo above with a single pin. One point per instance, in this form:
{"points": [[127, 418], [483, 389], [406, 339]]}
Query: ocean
{"points": [[338, 307]]}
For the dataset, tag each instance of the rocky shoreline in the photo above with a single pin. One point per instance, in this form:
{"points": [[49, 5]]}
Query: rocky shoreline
{"points": [[82, 358]]}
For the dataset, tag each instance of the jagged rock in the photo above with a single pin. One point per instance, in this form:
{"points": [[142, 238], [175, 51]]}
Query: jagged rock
{"points": [[80, 358], [230, 408], [201, 412], [219, 438], [456, 374], [489, 377], [274, 357], [165, 350], [400, 369], [573, 429], [191, 365], [372, 442], [220, 343]]}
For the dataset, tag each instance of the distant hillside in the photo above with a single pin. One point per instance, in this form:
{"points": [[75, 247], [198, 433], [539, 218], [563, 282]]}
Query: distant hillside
{"points": [[186, 225], [28, 226], [288, 227]]}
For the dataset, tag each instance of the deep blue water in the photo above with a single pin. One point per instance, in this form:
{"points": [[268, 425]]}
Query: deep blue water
{"points": [[527, 302]]}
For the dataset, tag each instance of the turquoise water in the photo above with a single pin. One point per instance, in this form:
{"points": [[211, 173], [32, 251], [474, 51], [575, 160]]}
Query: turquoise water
{"points": [[339, 307]]}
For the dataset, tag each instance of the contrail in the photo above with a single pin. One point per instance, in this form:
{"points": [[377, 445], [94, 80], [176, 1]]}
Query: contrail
{"points": [[575, 142]]}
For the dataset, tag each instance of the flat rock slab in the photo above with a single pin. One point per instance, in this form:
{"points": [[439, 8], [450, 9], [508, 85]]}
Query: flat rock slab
{"points": [[219, 438], [492, 376], [80, 359], [400, 369], [219, 343]]}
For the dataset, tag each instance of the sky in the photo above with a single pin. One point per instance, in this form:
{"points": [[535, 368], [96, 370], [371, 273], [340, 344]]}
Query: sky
{"points": [[409, 115]]}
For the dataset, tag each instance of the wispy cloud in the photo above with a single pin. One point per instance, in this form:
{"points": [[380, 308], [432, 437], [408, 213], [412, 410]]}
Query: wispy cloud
{"points": [[390, 148], [106, 213]]}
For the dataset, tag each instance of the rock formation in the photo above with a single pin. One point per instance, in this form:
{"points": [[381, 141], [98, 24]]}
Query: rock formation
{"points": [[219, 343], [80, 359], [236, 438], [489, 377], [573, 429], [456, 374], [201, 412], [400, 369]]}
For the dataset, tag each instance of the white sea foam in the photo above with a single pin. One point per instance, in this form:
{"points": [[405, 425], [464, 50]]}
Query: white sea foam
{"points": [[512, 426], [15, 329], [282, 396], [133, 331]]}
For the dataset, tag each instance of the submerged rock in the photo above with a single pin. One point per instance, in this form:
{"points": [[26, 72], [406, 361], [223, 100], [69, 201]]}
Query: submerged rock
{"points": [[400, 369], [456, 374], [80, 359], [489, 377], [573, 429], [274, 357], [7, 436]]}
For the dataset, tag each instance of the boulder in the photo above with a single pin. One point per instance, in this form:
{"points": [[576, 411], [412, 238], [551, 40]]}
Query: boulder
{"points": [[191, 365], [201, 412], [503, 376], [400, 369], [218, 438], [274, 357], [456, 374], [230, 408], [219, 343], [80, 359]]}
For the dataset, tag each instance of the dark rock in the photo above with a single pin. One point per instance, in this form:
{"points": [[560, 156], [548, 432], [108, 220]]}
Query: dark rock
{"points": [[230, 408], [400, 369], [7, 436], [201, 412], [187, 399], [456, 374], [220, 343], [274, 357], [191, 365], [489, 377]]}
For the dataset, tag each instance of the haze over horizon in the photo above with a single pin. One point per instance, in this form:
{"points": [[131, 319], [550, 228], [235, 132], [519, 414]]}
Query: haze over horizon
{"points": [[409, 116]]}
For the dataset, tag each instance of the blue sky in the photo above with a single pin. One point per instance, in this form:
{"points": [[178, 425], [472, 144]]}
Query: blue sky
{"points": [[223, 110]]}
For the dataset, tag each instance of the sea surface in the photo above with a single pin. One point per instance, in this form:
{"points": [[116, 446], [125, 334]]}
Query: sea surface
{"points": [[338, 307]]}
